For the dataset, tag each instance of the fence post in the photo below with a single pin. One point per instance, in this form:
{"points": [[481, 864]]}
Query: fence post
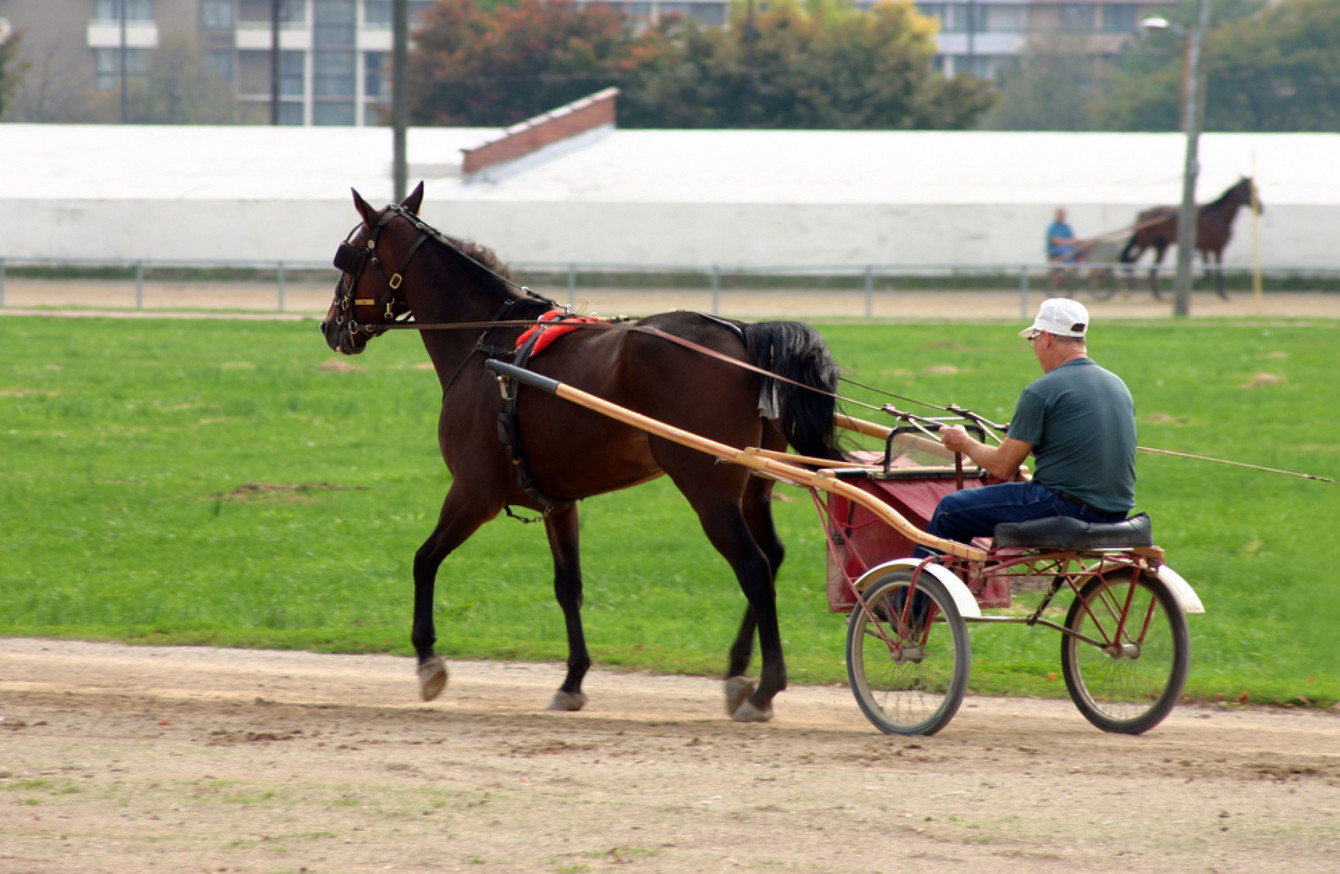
{"points": [[2, 282], [1023, 292], [869, 290], [716, 291], [572, 285], [281, 286], [139, 285]]}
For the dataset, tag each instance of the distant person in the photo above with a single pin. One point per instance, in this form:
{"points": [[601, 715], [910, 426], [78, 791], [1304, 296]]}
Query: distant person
{"points": [[1061, 242], [1062, 247], [1077, 421]]}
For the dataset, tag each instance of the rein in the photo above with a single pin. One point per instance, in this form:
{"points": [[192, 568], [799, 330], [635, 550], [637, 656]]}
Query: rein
{"points": [[351, 261]]}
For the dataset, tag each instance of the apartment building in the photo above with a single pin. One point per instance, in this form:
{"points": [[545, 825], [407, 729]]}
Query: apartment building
{"points": [[83, 56], [334, 55]]}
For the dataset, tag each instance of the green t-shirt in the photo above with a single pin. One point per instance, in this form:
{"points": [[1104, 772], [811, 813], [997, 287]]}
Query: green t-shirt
{"points": [[1081, 421]]}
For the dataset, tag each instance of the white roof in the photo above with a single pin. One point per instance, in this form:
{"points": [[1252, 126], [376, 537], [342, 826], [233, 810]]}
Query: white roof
{"points": [[662, 166]]}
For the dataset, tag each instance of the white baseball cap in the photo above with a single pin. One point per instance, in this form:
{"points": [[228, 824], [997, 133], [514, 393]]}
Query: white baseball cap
{"points": [[1060, 317]]}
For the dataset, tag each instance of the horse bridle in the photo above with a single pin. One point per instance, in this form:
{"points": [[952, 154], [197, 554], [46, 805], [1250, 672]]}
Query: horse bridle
{"points": [[351, 261]]}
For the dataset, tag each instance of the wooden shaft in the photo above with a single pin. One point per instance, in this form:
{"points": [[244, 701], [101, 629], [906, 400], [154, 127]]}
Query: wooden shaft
{"points": [[825, 479]]}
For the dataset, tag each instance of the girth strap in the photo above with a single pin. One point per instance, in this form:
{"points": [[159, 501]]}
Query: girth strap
{"points": [[509, 433]]}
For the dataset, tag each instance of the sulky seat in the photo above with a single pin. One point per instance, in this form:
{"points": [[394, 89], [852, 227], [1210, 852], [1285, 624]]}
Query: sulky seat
{"points": [[1067, 532]]}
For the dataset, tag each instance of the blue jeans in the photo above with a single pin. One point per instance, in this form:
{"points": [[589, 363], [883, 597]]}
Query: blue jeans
{"points": [[970, 513]]}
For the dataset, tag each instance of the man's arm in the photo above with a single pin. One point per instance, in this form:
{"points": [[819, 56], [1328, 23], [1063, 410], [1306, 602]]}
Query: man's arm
{"points": [[1000, 461]]}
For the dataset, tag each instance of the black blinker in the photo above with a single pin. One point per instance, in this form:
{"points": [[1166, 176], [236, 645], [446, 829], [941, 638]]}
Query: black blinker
{"points": [[349, 258]]}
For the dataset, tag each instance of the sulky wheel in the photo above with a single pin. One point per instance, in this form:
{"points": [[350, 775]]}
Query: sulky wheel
{"points": [[1128, 685], [908, 663]]}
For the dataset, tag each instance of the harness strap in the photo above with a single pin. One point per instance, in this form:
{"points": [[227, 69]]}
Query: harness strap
{"points": [[509, 433]]}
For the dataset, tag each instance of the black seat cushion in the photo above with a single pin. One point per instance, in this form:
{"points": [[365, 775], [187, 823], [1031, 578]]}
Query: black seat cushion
{"points": [[1067, 532]]}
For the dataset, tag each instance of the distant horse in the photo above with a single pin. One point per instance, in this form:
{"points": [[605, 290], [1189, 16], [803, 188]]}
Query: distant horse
{"points": [[668, 366], [1157, 228]]}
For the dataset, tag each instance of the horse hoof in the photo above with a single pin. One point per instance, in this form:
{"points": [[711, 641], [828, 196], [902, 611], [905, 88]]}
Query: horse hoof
{"points": [[738, 690], [432, 678], [567, 701], [747, 712]]}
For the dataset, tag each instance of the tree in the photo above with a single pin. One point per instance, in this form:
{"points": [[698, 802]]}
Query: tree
{"points": [[1050, 87], [178, 89], [11, 69], [1272, 69], [796, 64], [472, 66], [823, 64]]}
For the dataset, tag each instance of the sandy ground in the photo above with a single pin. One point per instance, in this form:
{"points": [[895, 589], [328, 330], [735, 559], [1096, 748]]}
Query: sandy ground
{"points": [[304, 300], [117, 759]]}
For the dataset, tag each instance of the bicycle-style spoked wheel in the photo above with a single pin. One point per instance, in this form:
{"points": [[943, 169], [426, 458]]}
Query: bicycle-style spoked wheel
{"points": [[1125, 666], [908, 659]]}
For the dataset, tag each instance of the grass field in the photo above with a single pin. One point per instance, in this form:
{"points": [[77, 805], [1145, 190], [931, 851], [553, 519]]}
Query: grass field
{"points": [[217, 482]]}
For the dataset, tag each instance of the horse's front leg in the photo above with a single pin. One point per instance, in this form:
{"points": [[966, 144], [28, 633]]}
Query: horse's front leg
{"points": [[564, 544], [460, 518], [1218, 272]]}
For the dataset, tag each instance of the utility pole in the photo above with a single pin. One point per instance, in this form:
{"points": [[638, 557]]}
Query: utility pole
{"points": [[1188, 217], [400, 96], [276, 16], [124, 54]]}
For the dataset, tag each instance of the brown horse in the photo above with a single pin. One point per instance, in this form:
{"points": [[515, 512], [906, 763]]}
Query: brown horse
{"points": [[398, 270], [1156, 228]]}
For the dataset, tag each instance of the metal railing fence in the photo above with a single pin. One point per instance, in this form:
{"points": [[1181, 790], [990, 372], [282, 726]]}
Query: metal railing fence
{"points": [[571, 279]]}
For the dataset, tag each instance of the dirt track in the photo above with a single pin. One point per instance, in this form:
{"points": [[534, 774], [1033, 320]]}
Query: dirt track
{"points": [[187, 759], [308, 299]]}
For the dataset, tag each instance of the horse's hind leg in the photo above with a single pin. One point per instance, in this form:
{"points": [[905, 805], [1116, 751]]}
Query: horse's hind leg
{"points": [[1160, 247], [561, 526], [460, 518], [757, 506]]}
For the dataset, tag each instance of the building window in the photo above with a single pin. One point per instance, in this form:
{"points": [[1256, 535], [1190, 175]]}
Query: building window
{"points": [[136, 10], [290, 113], [333, 73], [708, 14], [334, 23], [1006, 19], [1118, 19], [291, 76], [377, 13], [957, 17], [219, 63], [108, 63], [216, 14], [377, 75], [333, 113], [1076, 18]]}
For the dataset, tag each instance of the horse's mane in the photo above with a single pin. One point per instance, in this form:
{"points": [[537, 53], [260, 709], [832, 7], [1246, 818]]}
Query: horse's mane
{"points": [[480, 254], [1223, 198]]}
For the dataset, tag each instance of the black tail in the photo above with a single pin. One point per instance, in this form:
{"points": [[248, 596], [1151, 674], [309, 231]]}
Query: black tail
{"points": [[1125, 257], [797, 352]]}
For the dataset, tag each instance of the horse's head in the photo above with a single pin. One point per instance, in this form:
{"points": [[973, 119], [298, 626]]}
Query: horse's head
{"points": [[372, 261], [1246, 193]]}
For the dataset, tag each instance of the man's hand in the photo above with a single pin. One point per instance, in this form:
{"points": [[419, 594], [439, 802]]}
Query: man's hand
{"points": [[1001, 461]]}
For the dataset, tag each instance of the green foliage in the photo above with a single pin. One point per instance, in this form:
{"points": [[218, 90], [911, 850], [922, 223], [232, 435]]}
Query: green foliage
{"points": [[1267, 69], [12, 70], [828, 65], [217, 482], [499, 66]]}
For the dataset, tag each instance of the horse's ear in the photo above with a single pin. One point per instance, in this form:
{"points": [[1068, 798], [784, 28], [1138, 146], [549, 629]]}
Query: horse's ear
{"points": [[365, 210], [415, 198]]}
